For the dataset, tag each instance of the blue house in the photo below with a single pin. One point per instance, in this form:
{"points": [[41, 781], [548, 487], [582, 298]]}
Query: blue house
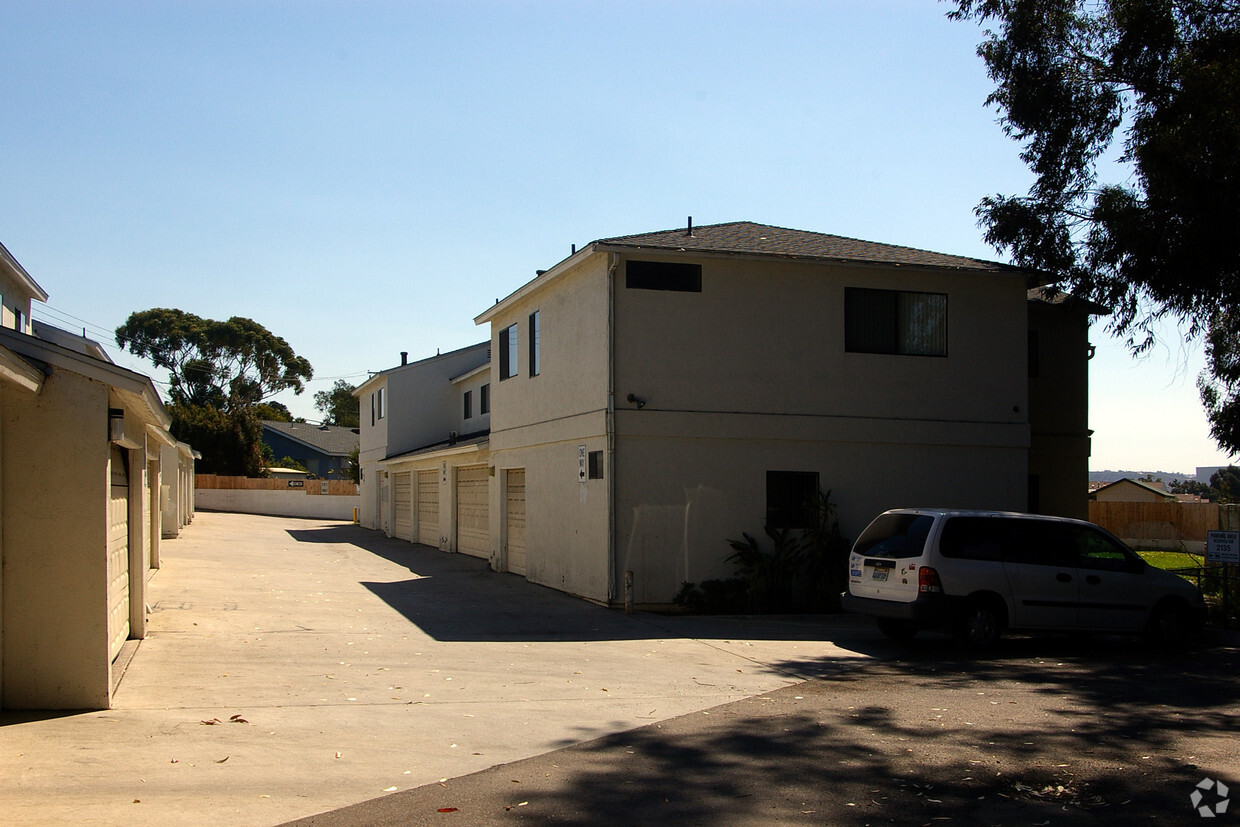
{"points": [[323, 449]]}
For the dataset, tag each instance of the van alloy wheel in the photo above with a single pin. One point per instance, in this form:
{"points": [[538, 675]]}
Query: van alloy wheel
{"points": [[980, 625]]}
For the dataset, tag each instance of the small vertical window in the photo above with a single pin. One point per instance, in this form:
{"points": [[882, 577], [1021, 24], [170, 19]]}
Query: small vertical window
{"points": [[379, 396], [790, 498], [469, 404], [508, 352], [535, 360], [19, 323], [372, 409], [595, 463], [484, 399]]}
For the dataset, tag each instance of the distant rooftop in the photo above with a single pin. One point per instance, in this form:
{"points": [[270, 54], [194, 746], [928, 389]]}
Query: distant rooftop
{"points": [[330, 439]]}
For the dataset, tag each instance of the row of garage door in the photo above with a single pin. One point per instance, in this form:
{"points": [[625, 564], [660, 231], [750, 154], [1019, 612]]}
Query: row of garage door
{"points": [[419, 490]]}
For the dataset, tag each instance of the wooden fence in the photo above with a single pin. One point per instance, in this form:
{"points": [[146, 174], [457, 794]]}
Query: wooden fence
{"points": [[334, 487], [1163, 522]]}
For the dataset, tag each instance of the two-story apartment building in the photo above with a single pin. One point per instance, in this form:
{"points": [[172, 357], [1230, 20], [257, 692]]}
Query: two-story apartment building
{"points": [[423, 458], [652, 396]]}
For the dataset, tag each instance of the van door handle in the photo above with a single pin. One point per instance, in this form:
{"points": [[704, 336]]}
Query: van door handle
{"points": [[1093, 579], [1063, 577]]}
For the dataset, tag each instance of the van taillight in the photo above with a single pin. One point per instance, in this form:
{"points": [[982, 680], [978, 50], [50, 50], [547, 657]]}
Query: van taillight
{"points": [[928, 580]]}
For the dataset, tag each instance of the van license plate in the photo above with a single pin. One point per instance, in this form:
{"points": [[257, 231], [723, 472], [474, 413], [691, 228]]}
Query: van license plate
{"points": [[879, 574]]}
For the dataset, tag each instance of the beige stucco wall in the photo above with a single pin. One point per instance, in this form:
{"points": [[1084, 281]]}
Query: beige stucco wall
{"points": [[55, 481], [686, 485], [574, 354], [768, 337], [1058, 411], [539, 422]]}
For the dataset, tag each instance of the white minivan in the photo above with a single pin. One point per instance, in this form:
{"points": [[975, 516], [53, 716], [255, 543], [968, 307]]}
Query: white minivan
{"points": [[980, 573]]}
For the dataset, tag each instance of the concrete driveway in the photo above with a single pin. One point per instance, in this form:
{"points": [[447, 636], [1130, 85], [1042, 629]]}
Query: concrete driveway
{"points": [[297, 666]]}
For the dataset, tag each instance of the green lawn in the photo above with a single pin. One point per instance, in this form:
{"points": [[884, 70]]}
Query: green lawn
{"points": [[1172, 559]]}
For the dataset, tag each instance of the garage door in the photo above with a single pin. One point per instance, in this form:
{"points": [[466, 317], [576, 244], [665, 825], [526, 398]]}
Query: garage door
{"points": [[118, 554], [428, 508], [473, 522], [514, 519], [402, 505]]}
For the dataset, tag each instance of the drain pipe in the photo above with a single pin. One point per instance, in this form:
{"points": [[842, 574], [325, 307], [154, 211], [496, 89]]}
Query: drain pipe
{"points": [[612, 263]]}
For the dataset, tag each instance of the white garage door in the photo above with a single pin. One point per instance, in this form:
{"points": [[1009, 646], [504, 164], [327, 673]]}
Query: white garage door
{"points": [[473, 522], [428, 508], [514, 518], [402, 505], [118, 555]]}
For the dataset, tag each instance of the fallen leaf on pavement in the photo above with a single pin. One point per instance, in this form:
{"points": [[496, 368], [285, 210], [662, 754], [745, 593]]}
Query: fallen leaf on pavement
{"points": [[447, 809], [222, 760]]}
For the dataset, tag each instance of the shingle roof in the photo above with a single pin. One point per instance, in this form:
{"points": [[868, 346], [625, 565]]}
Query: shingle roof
{"points": [[330, 439], [746, 237]]}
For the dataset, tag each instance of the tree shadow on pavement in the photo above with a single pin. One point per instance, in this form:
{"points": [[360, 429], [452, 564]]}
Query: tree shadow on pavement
{"points": [[1042, 731]]}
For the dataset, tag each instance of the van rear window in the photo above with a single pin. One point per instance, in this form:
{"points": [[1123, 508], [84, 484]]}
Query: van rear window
{"points": [[895, 536]]}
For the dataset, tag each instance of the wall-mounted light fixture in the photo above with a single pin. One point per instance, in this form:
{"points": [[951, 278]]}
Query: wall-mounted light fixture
{"points": [[637, 400]]}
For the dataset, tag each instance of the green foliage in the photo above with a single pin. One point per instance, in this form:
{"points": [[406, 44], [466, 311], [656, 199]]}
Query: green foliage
{"points": [[226, 365], [1158, 243], [339, 406], [354, 469], [219, 372], [1226, 482], [273, 412], [797, 570], [228, 441]]}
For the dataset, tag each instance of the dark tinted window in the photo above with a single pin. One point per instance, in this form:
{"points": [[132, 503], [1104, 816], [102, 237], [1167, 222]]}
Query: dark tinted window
{"points": [[1096, 550], [663, 275], [790, 498], [895, 535], [974, 538], [1040, 543]]}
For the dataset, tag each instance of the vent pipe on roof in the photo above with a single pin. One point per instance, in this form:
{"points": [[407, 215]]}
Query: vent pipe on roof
{"points": [[574, 253], [689, 232], [404, 357]]}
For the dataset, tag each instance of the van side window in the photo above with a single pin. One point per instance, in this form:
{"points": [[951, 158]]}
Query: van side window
{"points": [[1039, 543], [973, 538], [1097, 551]]}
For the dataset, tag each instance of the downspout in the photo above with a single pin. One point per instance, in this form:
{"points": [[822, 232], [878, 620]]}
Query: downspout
{"points": [[612, 263]]}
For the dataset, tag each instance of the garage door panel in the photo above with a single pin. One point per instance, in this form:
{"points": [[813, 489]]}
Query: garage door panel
{"points": [[514, 519], [428, 508], [402, 506], [118, 555], [473, 518]]}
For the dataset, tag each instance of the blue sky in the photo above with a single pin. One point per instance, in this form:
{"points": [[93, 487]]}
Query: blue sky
{"points": [[365, 177]]}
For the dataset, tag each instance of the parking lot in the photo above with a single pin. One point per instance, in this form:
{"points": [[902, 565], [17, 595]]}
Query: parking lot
{"points": [[309, 670]]}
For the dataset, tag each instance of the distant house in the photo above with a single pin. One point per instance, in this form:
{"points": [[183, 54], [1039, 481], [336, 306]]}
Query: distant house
{"points": [[653, 395], [87, 469], [322, 449], [1131, 491]]}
